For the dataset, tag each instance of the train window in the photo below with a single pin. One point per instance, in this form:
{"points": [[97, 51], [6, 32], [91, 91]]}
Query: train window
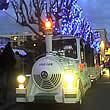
{"points": [[68, 45]]}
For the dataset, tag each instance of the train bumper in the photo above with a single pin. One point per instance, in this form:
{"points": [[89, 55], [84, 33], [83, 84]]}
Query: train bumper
{"points": [[71, 96], [66, 96], [48, 98], [20, 95]]}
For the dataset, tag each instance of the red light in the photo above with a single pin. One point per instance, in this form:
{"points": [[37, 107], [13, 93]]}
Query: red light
{"points": [[48, 24]]}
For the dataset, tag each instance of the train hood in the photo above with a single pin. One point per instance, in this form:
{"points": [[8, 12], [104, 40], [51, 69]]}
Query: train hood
{"points": [[47, 72]]}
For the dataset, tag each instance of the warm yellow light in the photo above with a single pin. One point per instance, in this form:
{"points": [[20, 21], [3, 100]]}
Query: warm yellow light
{"points": [[91, 76], [21, 86], [70, 86], [48, 24], [109, 51], [21, 79], [15, 38], [102, 44], [69, 77], [107, 72], [68, 80]]}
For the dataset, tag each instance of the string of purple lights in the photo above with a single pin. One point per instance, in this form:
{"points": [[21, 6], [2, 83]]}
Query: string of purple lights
{"points": [[74, 23]]}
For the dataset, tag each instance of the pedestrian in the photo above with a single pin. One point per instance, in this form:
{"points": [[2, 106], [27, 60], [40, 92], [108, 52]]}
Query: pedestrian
{"points": [[7, 67], [1, 77], [19, 63], [109, 65], [9, 56]]}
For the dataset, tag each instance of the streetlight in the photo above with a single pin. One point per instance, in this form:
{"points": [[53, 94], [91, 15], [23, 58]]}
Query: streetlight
{"points": [[102, 46]]}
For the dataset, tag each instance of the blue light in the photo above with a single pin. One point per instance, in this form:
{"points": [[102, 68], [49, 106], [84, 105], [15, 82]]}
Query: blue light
{"points": [[4, 4], [3, 10], [73, 23], [7, 1]]}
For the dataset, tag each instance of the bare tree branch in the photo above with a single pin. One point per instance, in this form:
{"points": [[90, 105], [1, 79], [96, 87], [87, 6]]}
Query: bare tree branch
{"points": [[30, 13], [25, 14]]}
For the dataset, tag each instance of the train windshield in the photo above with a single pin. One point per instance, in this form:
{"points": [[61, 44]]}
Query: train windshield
{"points": [[69, 47]]}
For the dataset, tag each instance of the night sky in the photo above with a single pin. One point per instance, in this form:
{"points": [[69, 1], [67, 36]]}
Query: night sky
{"points": [[96, 11], [98, 14]]}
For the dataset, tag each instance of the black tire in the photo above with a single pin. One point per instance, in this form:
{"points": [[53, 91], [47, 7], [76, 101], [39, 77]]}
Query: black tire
{"points": [[93, 84]]}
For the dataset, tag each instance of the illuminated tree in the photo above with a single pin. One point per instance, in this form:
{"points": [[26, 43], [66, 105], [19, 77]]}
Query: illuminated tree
{"points": [[73, 23], [65, 14]]}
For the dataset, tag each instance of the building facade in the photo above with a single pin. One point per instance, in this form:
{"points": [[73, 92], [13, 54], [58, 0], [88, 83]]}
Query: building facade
{"points": [[105, 48], [16, 40]]}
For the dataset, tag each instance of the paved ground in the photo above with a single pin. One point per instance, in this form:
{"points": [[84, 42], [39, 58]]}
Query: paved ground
{"points": [[97, 98]]}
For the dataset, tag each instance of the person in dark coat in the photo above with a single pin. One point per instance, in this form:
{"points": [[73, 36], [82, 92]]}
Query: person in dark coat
{"points": [[1, 75], [109, 65], [9, 56], [19, 63], [7, 62]]}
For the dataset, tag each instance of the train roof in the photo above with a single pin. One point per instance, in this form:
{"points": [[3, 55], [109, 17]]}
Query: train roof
{"points": [[64, 37]]}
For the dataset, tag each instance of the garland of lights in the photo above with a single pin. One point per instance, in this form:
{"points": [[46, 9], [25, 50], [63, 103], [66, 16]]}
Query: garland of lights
{"points": [[73, 23]]}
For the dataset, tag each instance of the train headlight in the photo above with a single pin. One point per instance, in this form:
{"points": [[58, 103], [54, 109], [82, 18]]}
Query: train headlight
{"points": [[21, 86], [68, 80], [21, 78]]}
